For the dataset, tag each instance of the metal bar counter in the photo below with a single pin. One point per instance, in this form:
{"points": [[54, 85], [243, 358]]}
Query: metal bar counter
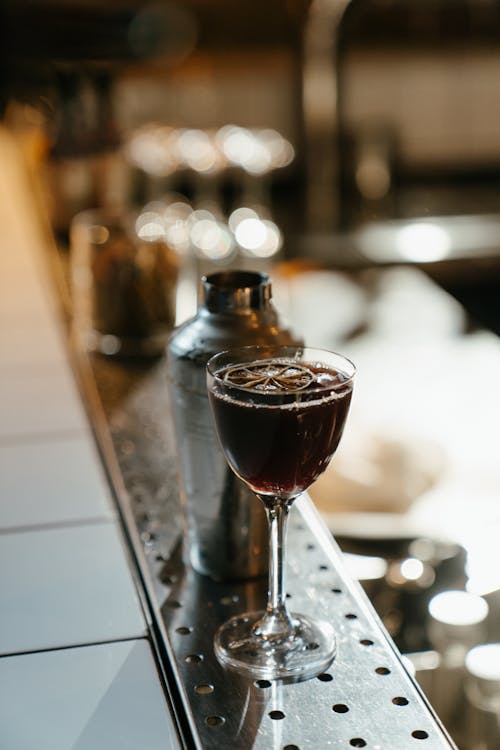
{"points": [[366, 698]]}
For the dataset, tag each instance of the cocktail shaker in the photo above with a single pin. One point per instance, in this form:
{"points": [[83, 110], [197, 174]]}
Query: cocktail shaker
{"points": [[226, 525]]}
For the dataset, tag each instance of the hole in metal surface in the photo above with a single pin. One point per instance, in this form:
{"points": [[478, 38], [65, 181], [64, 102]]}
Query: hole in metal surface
{"points": [[400, 701], [262, 683], [357, 742], [323, 567], [204, 689], [336, 591], [340, 708], [311, 546], [214, 721], [193, 658], [276, 715], [291, 747], [325, 677], [312, 646], [419, 734], [231, 599], [366, 642], [383, 670], [183, 630], [351, 616], [288, 596]]}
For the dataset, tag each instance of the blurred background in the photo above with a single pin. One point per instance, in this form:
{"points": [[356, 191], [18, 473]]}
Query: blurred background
{"points": [[321, 117], [351, 150]]}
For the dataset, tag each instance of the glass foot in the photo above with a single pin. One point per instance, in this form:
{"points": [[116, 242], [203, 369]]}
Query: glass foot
{"points": [[305, 652]]}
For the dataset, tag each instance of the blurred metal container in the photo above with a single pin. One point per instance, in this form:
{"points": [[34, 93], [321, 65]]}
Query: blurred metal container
{"points": [[227, 527]]}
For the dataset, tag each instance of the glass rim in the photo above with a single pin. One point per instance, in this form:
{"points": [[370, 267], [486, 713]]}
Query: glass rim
{"points": [[283, 347]]}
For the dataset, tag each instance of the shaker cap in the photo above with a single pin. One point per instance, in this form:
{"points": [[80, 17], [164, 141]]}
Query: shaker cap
{"points": [[235, 291]]}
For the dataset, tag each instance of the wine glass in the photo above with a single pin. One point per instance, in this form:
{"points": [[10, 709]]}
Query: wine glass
{"points": [[279, 413]]}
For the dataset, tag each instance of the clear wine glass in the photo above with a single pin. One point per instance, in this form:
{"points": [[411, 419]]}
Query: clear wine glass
{"points": [[279, 413]]}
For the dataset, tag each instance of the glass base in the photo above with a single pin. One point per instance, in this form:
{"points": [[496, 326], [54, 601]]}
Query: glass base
{"points": [[306, 652]]}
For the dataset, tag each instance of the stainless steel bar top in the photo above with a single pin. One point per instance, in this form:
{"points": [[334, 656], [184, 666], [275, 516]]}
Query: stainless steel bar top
{"points": [[365, 699]]}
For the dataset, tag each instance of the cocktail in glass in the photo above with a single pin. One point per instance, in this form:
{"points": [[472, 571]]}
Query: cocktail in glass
{"points": [[279, 413]]}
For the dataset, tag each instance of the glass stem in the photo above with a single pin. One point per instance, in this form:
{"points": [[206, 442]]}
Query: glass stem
{"points": [[276, 620]]}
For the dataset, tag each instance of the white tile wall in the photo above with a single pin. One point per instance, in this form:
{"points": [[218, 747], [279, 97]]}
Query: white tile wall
{"points": [[65, 580], [51, 481], [39, 401], [96, 698], [21, 292], [24, 345], [65, 586]]}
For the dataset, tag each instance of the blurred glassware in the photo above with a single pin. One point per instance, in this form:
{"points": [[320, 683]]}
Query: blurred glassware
{"points": [[253, 150], [209, 235], [257, 153], [457, 622], [151, 148], [196, 149], [482, 690], [256, 235], [205, 162], [150, 151], [124, 275]]}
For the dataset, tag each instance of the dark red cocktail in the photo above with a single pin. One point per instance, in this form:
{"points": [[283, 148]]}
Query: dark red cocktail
{"points": [[279, 413], [281, 446]]}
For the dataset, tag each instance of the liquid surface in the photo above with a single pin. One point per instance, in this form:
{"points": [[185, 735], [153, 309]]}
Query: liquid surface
{"points": [[277, 429]]}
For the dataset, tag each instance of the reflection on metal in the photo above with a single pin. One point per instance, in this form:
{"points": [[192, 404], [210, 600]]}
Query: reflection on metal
{"points": [[365, 699], [365, 696], [320, 94], [429, 240]]}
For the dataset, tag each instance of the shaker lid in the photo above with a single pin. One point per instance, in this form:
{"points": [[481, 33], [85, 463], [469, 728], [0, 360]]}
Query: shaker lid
{"points": [[233, 291]]}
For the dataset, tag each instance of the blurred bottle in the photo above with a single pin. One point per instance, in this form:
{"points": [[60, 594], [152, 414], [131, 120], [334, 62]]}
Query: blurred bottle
{"points": [[123, 284], [227, 527]]}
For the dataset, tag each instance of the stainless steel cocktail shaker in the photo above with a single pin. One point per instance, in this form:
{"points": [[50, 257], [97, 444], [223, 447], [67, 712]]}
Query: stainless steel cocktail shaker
{"points": [[226, 525]]}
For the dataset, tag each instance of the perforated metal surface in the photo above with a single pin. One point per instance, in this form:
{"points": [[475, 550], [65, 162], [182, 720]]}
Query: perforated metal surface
{"points": [[366, 699]]}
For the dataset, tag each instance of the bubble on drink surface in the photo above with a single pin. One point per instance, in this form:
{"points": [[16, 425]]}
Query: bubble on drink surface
{"points": [[269, 371], [326, 378], [293, 372]]}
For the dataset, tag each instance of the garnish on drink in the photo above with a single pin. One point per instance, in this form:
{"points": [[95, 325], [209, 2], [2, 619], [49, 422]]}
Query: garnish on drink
{"points": [[271, 376]]}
